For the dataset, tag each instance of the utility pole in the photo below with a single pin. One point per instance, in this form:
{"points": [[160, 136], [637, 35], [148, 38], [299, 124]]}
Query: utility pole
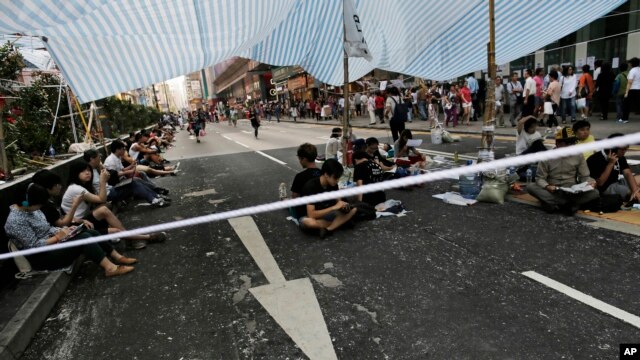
{"points": [[488, 129], [345, 93], [155, 96], [3, 151]]}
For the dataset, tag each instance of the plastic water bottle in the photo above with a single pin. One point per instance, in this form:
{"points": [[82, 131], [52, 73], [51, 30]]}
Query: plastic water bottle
{"points": [[52, 152], [529, 175]]}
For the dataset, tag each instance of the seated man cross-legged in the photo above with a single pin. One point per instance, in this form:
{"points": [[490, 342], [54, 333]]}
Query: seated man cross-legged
{"points": [[606, 167], [329, 215], [562, 172]]}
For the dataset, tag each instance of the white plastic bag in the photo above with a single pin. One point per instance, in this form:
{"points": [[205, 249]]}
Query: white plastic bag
{"points": [[548, 108], [581, 103]]}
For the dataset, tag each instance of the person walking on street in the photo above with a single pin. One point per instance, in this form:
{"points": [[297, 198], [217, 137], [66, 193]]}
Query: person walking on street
{"points": [[586, 88], [371, 108], [568, 95], [529, 95], [396, 119], [198, 126], [467, 102], [379, 100], [604, 84], [472, 84], [619, 89], [553, 94], [632, 93], [255, 122], [514, 88], [500, 97]]}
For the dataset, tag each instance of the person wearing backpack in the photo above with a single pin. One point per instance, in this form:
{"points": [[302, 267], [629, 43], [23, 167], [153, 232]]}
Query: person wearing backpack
{"points": [[619, 88], [396, 111]]}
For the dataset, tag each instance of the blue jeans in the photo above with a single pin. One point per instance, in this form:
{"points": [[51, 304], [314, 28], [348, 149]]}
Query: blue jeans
{"points": [[135, 189], [422, 108], [568, 106], [619, 106]]}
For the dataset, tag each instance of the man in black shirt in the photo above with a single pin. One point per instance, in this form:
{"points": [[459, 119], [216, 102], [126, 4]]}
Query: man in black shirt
{"points": [[328, 215], [606, 166], [368, 172], [307, 154]]}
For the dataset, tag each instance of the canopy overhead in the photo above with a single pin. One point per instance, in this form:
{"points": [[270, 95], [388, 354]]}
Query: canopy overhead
{"points": [[106, 46]]}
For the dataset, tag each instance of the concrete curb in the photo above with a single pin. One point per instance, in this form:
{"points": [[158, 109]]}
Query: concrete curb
{"points": [[17, 334]]}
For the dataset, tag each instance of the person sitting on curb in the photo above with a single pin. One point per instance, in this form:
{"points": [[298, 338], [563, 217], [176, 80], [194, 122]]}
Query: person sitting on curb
{"points": [[556, 173], [528, 139], [80, 184], [116, 161], [582, 129], [307, 154], [139, 150], [27, 228], [117, 190], [326, 216], [365, 172], [607, 165]]}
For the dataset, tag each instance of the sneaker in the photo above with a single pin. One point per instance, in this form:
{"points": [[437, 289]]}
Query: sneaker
{"points": [[136, 244], [325, 233], [623, 121], [177, 166], [165, 198], [175, 172], [162, 191], [159, 202], [158, 237]]}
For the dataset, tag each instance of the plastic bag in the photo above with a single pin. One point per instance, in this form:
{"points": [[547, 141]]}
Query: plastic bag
{"points": [[494, 188], [581, 103], [548, 108], [202, 133]]}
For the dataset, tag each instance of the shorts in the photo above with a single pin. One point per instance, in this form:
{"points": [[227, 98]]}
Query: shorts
{"points": [[100, 226], [328, 218], [466, 105], [539, 101]]}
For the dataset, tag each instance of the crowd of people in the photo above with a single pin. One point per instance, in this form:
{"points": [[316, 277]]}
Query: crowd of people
{"points": [[48, 215]]}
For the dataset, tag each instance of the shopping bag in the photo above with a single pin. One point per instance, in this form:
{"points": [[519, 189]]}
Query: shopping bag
{"points": [[581, 103], [202, 133], [548, 108]]}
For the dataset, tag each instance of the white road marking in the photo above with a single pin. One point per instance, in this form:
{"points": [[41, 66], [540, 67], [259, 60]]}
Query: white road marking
{"points": [[247, 132], [584, 298], [228, 138], [241, 144], [272, 158], [292, 304], [248, 232]]}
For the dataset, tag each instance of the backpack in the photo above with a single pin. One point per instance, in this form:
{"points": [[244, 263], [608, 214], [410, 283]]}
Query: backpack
{"points": [[605, 203], [400, 112]]}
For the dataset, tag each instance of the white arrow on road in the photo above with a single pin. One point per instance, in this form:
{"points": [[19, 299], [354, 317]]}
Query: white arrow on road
{"points": [[292, 304]]}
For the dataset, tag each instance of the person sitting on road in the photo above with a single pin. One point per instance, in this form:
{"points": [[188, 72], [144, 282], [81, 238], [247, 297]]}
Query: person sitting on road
{"points": [[582, 129], [365, 172], [402, 150], [561, 172], [528, 139], [139, 150], [119, 157], [80, 184], [307, 154], [27, 228], [120, 190], [326, 216], [607, 165], [334, 145]]}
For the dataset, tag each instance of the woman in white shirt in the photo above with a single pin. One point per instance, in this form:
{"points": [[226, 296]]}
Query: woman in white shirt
{"points": [[568, 85], [632, 95], [334, 144]]}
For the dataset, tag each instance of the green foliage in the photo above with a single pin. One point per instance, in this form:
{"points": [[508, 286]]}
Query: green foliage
{"points": [[123, 117], [11, 62]]}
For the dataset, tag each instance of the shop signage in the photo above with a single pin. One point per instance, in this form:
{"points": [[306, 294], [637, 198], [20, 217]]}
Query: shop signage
{"points": [[297, 83]]}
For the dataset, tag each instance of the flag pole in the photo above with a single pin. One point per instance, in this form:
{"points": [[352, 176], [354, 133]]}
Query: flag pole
{"points": [[345, 115]]}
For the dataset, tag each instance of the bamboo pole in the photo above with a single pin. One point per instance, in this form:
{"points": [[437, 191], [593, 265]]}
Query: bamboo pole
{"points": [[490, 104], [345, 93]]}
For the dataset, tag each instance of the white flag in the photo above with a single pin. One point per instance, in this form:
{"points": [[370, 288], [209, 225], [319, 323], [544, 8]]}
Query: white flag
{"points": [[354, 44]]}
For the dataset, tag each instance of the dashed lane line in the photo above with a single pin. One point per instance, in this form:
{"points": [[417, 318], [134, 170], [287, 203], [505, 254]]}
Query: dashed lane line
{"points": [[584, 298], [241, 144]]}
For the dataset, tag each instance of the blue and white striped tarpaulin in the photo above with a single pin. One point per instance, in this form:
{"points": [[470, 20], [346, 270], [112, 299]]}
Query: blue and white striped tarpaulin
{"points": [[106, 46]]}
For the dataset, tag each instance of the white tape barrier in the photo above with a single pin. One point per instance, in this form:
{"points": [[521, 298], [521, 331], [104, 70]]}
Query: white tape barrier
{"points": [[402, 182]]}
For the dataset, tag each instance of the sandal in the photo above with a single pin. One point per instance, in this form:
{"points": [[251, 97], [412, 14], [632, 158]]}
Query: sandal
{"points": [[120, 270], [126, 261]]}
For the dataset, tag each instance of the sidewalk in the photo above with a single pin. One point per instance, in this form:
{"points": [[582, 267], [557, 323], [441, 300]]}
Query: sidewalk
{"points": [[599, 129]]}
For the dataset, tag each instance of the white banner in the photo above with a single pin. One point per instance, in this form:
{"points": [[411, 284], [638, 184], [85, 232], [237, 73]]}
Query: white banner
{"points": [[354, 44]]}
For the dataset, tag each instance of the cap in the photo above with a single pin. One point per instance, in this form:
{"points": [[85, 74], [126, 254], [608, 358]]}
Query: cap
{"points": [[566, 133]]}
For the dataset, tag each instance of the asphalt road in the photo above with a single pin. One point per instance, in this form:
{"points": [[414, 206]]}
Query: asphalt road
{"points": [[441, 282]]}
